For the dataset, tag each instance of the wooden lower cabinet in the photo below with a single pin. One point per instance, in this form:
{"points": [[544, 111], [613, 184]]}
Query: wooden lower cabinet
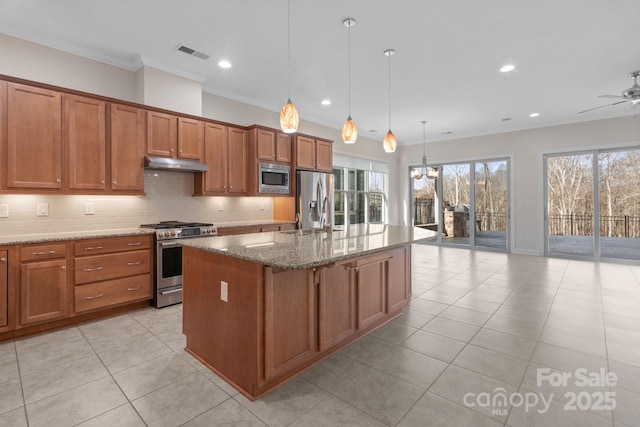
{"points": [[43, 291], [275, 323], [336, 306], [290, 320], [111, 292], [4, 289]]}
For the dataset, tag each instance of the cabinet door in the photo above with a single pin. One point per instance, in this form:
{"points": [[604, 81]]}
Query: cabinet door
{"points": [[398, 280], [290, 325], [161, 134], [86, 143], [305, 152], [266, 144], [371, 290], [190, 139], [283, 147], [237, 160], [324, 155], [43, 291], [127, 148], [4, 288], [215, 156], [34, 137], [337, 309]]}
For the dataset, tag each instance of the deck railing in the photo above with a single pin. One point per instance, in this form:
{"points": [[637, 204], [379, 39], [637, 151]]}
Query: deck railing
{"points": [[582, 225]]}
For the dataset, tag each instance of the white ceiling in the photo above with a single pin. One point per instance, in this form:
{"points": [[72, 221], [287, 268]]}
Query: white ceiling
{"points": [[445, 71]]}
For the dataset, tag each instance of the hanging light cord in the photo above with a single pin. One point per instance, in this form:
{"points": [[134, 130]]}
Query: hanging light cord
{"points": [[390, 53], [349, 61], [288, 51], [424, 140]]}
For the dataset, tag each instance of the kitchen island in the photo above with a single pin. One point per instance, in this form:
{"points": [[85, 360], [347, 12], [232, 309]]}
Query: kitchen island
{"points": [[261, 308]]}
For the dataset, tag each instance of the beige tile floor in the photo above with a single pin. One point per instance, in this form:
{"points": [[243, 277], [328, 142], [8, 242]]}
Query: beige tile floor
{"points": [[479, 324]]}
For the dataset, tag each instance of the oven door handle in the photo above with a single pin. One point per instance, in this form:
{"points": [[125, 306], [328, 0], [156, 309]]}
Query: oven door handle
{"points": [[170, 292], [166, 244]]}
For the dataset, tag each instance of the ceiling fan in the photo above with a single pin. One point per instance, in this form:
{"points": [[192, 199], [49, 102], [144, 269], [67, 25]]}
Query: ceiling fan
{"points": [[631, 95]]}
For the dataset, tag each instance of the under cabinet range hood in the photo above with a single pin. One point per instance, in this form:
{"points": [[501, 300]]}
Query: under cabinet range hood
{"points": [[178, 165]]}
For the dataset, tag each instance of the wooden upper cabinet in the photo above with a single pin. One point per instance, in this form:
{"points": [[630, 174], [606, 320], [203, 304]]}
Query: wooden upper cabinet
{"points": [[237, 160], [324, 155], [305, 152], [84, 136], [161, 134], [265, 144], [214, 181], [190, 139], [314, 154], [127, 148], [283, 147], [34, 138]]}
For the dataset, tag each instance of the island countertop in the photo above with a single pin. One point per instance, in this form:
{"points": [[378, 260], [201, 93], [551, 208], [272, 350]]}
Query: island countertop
{"points": [[293, 250]]}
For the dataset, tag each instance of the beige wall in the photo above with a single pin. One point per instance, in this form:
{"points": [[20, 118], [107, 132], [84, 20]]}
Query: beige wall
{"points": [[160, 89], [526, 149]]}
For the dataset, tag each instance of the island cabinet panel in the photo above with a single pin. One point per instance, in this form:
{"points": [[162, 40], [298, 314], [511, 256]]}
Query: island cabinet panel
{"points": [[336, 306], [371, 289], [85, 139], [398, 280], [34, 138], [227, 336], [290, 325]]}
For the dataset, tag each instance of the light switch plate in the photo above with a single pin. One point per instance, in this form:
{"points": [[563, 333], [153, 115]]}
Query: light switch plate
{"points": [[4, 211], [220, 206], [42, 209], [89, 209], [224, 291]]}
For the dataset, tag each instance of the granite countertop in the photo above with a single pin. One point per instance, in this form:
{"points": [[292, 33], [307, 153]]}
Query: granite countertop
{"points": [[76, 235], [292, 250]]}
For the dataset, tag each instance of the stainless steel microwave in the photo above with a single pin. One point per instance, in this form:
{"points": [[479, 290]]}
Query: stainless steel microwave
{"points": [[274, 179]]}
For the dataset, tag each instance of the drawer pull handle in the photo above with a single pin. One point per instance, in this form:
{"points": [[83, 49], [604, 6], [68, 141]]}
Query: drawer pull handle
{"points": [[93, 269], [171, 292], [134, 263], [97, 296], [135, 244], [134, 289], [93, 248], [43, 253], [3, 260]]}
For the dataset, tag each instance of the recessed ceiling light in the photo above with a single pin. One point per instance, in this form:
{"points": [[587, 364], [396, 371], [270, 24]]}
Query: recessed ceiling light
{"points": [[326, 102], [506, 119], [224, 64], [507, 68], [534, 114]]}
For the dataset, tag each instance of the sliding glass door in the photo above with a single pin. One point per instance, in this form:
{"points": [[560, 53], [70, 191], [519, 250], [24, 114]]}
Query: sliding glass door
{"points": [[593, 204], [467, 203]]}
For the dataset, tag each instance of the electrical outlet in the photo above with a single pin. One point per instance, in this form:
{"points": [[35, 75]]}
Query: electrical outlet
{"points": [[220, 206], [261, 205], [4, 211], [42, 209], [89, 209], [224, 291]]}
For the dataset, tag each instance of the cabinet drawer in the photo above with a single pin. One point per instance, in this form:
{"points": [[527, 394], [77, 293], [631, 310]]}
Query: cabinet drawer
{"points": [[47, 251], [104, 267], [112, 292], [111, 244]]}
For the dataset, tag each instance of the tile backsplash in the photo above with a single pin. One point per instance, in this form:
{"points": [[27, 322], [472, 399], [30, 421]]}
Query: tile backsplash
{"points": [[168, 197]]}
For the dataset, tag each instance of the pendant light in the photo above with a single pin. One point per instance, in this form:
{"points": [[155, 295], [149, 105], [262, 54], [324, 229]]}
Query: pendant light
{"points": [[419, 173], [349, 130], [289, 119], [389, 142]]}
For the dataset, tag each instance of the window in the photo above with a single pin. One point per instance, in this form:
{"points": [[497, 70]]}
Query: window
{"points": [[359, 197]]}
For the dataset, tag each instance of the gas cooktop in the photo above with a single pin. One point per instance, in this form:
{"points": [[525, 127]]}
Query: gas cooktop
{"points": [[180, 230]]}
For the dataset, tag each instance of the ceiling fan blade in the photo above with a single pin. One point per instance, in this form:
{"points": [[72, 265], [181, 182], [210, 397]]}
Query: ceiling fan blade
{"points": [[611, 96], [602, 106]]}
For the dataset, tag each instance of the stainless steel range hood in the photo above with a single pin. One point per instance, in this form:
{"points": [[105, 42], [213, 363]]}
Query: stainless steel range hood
{"points": [[178, 165]]}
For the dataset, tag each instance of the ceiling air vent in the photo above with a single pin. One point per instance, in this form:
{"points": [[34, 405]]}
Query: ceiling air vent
{"points": [[192, 52]]}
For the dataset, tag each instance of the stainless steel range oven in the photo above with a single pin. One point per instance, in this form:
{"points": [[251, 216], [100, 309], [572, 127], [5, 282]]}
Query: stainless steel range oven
{"points": [[168, 257]]}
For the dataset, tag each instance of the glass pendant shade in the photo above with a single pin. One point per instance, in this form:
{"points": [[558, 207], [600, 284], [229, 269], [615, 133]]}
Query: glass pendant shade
{"points": [[289, 119], [349, 132], [389, 142], [419, 173]]}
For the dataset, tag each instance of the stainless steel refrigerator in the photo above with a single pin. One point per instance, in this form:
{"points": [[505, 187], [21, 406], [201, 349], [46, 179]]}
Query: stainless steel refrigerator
{"points": [[314, 199]]}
